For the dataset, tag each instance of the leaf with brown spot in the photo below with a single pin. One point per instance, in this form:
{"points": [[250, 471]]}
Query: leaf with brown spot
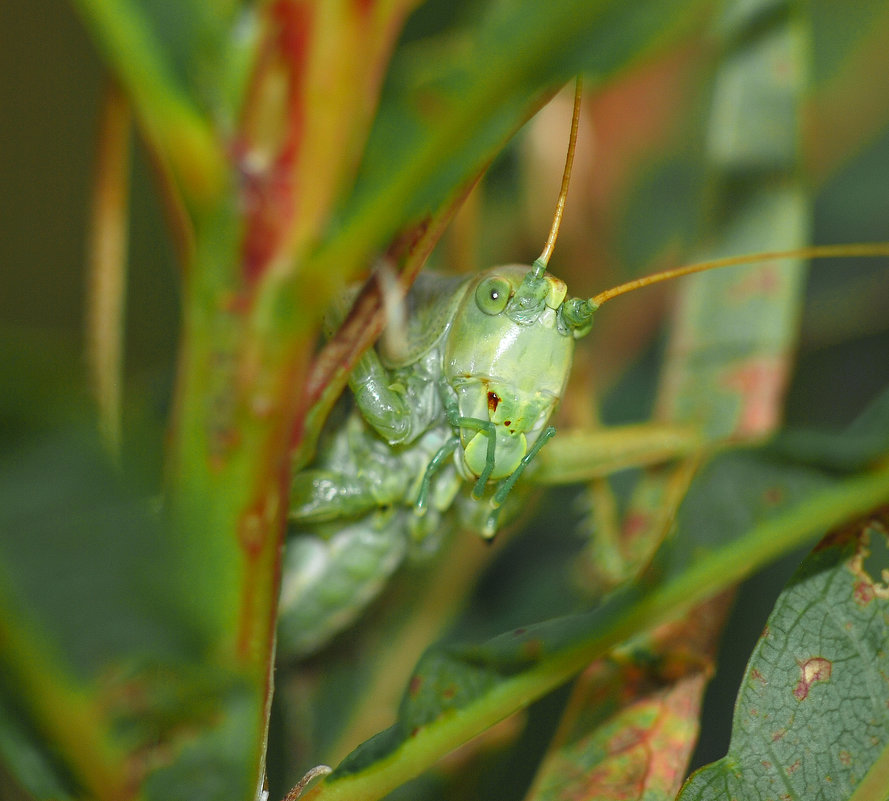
{"points": [[812, 717]]}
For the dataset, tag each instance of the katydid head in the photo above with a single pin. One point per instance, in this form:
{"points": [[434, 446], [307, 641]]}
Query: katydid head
{"points": [[508, 355], [507, 361]]}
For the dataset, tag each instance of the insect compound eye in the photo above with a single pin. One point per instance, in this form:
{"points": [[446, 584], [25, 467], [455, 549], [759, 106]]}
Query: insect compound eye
{"points": [[492, 295]]}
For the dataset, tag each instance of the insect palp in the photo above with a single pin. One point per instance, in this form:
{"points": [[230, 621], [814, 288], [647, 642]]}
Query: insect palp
{"points": [[485, 427], [435, 463], [508, 483], [506, 486]]}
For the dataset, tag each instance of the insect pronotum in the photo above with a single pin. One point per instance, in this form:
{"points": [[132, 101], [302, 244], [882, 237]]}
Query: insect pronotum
{"points": [[442, 428]]}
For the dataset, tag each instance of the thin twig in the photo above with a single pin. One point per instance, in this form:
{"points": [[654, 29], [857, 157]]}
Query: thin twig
{"points": [[106, 260], [297, 790]]}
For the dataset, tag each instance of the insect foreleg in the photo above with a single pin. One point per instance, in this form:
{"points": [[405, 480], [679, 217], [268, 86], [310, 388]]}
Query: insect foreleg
{"points": [[399, 404], [383, 406], [487, 428]]}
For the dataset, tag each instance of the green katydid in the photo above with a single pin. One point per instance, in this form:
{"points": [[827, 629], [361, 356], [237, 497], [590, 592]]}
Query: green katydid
{"points": [[442, 428]]}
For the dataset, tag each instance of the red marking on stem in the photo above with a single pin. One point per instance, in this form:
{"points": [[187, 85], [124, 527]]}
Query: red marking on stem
{"points": [[260, 531], [635, 524], [493, 401], [811, 671], [269, 195], [235, 303], [415, 685], [252, 530], [408, 240]]}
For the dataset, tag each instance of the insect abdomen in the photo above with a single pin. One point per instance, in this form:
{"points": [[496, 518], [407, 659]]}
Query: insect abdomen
{"points": [[327, 583], [353, 523]]}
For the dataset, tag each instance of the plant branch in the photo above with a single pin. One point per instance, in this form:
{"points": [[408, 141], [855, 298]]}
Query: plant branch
{"points": [[173, 123], [106, 288]]}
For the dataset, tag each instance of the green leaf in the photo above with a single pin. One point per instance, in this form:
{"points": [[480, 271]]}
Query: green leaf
{"points": [[811, 718], [22, 751], [161, 94], [210, 49], [441, 120], [106, 677], [744, 511], [735, 329], [732, 337], [861, 443], [632, 721]]}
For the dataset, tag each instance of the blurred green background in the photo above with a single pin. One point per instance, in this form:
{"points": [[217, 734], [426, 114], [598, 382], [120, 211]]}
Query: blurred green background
{"points": [[52, 82], [51, 85]]}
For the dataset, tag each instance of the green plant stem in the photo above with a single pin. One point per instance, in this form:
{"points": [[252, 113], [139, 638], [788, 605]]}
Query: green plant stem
{"points": [[64, 714], [107, 262], [175, 126]]}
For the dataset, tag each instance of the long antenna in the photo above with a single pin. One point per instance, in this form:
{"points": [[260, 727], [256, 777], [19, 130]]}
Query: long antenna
{"points": [[814, 252], [542, 260], [577, 314]]}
